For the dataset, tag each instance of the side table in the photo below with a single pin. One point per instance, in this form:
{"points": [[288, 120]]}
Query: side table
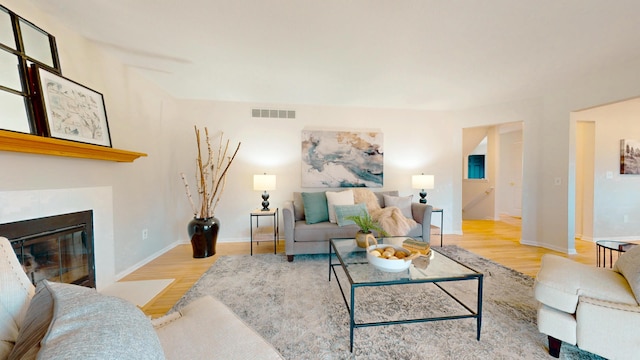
{"points": [[604, 245], [272, 230], [441, 211]]}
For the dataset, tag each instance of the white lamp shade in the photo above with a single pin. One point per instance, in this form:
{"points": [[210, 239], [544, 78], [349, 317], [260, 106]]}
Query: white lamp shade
{"points": [[264, 182], [422, 181]]}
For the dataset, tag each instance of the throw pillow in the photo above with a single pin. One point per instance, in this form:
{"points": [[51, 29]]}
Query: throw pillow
{"points": [[628, 265], [298, 206], [15, 292], [401, 202], [315, 207], [343, 211], [338, 198], [380, 195], [70, 320], [35, 326]]}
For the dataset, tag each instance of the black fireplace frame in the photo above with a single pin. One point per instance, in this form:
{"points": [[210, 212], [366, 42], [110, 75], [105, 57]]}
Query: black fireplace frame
{"points": [[19, 232]]}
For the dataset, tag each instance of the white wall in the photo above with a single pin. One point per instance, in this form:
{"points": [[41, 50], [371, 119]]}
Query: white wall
{"points": [[585, 159], [549, 143], [615, 198], [414, 142], [509, 183]]}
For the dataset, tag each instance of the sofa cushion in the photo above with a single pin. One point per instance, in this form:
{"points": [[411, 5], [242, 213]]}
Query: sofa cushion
{"points": [[628, 265], [344, 211], [315, 207], [15, 292], [322, 231], [338, 198], [401, 202], [65, 319]]}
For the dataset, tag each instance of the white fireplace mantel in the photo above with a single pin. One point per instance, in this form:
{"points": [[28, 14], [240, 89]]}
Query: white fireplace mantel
{"points": [[30, 204]]}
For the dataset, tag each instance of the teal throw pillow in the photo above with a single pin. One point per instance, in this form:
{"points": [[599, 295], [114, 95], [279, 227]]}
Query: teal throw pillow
{"points": [[344, 211], [315, 207]]}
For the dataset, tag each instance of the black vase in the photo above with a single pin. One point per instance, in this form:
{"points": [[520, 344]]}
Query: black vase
{"points": [[204, 235]]}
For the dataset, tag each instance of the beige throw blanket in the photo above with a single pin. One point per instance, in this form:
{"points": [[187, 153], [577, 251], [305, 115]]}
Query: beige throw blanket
{"points": [[390, 218]]}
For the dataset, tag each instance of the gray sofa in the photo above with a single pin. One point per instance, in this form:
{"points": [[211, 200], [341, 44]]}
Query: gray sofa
{"points": [[303, 238]]}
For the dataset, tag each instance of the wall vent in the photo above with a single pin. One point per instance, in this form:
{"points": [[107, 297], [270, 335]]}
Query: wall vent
{"points": [[272, 113]]}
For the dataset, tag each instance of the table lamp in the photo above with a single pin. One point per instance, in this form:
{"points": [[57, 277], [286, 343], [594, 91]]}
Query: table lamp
{"points": [[422, 182], [263, 183]]}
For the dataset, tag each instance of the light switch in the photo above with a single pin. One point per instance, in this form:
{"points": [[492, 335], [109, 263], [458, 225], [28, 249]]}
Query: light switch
{"points": [[609, 174]]}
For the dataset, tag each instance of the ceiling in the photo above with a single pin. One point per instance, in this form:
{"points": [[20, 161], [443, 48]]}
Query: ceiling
{"points": [[414, 54]]}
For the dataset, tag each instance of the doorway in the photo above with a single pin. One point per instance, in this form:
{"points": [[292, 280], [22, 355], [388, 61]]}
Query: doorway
{"points": [[497, 194]]}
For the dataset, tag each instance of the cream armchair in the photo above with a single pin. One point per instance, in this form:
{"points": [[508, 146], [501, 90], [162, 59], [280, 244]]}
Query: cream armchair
{"points": [[593, 308]]}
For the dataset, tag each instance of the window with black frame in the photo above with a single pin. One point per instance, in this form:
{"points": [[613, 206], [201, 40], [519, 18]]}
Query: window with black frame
{"points": [[21, 44]]}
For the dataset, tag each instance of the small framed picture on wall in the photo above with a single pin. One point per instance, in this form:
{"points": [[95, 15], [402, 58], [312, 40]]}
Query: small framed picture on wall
{"points": [[630, 156]]}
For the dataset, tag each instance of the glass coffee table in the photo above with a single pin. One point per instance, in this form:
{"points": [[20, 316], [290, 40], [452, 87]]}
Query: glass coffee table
{"points": [[440, 269]]}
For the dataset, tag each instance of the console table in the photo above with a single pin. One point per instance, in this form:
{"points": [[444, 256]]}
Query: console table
{"points": [[265, 231], [441, 211]]}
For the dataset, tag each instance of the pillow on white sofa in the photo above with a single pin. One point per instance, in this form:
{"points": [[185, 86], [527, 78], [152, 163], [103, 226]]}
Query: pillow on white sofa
{"points": [[72, 321], [628, 265], [338, 198]]}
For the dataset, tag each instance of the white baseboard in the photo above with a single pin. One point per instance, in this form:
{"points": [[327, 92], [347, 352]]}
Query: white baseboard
{"points": [[145, 261], [546, 246]]}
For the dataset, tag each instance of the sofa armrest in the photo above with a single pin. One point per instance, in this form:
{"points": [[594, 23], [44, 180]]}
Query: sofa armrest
{"points": [[611, 305], [561, 282], [289, 223], [206, 327], [422, 215], [608, 328]]}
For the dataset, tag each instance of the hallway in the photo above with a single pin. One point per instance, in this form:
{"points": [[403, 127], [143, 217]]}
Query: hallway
{"points": [[500, 242]]}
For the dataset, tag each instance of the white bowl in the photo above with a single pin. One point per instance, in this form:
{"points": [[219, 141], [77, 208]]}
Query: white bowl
{"points": [[389, 265]]}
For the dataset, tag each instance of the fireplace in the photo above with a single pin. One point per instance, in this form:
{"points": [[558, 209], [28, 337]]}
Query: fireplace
{"points": [[57, 248]]}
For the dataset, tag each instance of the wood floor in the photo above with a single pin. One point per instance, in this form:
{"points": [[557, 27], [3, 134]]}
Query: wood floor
{"points": [[495, 240]]}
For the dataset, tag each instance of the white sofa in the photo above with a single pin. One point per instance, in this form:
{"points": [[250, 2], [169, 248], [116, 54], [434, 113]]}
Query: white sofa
{"points": [[63, 321], [593, 308]]}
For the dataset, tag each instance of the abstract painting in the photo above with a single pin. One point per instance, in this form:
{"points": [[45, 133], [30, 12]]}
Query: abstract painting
{"points": [[630, 156], [342, 159]]}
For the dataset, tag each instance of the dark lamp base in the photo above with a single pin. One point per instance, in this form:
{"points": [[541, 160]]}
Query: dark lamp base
{"points": [[423, 196], [265, 201]]}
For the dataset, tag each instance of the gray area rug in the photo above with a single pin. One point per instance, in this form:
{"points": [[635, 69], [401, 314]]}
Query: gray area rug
{"points": [[296, 308]]}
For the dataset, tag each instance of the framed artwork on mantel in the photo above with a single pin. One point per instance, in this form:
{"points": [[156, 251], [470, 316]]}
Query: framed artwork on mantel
{"points": [[630, 156], [332, 159], [67, 110]]}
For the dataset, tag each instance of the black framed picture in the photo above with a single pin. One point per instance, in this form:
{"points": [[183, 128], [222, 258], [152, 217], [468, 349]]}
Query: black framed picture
{"points": [[68, 110], [630, 156]]}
